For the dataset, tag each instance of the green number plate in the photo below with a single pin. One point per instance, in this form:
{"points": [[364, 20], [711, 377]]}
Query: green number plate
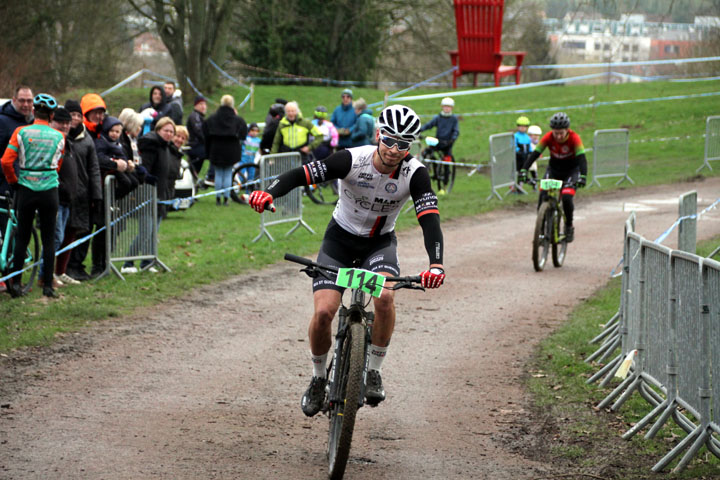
{"points": [[358, 278], [550, 184]]}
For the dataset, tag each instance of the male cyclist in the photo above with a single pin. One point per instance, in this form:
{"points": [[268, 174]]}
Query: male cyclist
{"points": [[567, 163], [31, 164], [375, 181]]}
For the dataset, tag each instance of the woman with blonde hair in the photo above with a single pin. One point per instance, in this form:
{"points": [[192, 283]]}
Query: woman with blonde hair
{"points": [[225, 132]]}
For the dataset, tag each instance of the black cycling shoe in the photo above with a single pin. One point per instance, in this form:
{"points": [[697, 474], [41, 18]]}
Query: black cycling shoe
{"points": [[569, 233], [50, 292], [374, 391], [314, 397]]}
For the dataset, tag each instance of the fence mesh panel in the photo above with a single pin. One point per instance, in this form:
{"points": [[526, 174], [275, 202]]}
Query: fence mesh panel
{"points": [[610, 154], [711, 291], [687, 281], [657, 272], [502, 161]]}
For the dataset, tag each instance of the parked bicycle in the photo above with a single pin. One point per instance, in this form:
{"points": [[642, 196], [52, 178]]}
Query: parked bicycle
{"points": [[347, 372], [549, 227], [245, 179], [440, 166], [7, 248]]}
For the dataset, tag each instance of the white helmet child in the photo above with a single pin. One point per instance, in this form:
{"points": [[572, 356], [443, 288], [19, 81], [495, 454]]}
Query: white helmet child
{"points": [[447, 102], [534, 130]]}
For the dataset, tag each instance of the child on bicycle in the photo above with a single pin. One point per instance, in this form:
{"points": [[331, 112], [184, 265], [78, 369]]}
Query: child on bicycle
{"points": [[448, 128], [567, 163]]}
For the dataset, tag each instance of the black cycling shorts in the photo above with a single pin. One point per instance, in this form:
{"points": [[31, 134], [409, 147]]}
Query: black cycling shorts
{"points": [[342, 249], [568, 177]]}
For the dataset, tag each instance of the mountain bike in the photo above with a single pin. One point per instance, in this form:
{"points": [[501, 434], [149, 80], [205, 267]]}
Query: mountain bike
{"points": [[441, 167], [549, 227], [347, 372], [7, 248]]}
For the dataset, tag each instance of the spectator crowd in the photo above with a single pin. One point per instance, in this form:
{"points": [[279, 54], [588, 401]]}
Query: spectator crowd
{"points": [[62, 183]]}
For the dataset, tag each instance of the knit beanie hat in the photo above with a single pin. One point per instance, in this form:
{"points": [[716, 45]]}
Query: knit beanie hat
{"points": [[73, 106]]}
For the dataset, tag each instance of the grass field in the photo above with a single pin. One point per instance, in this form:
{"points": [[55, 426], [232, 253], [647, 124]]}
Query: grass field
{"points": [[205, 244]]}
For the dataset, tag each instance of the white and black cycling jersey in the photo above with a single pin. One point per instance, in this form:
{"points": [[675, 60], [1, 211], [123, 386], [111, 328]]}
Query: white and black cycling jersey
{"points": [[369, 201]]}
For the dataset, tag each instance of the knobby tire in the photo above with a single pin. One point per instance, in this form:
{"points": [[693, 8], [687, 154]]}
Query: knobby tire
{"points": [[32, 255], [444, 174], [541, 238], [559, 248], [322, 194], [242, 174], [342, 416]]}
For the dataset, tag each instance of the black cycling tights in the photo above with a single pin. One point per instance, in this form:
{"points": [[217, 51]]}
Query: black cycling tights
{"points": [[567, 203], [27, 202]]}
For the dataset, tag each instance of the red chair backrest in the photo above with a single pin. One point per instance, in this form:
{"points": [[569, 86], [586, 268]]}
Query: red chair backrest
{"points": [[479, 31]]}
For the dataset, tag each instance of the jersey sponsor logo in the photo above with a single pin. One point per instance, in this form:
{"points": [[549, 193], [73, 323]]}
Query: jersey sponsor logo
{"points": [[428, 201], [405, 171], [318, 171], [365, 184], [363, 162], [377, 205], [391, 187], [272, 185], [365, 176]]}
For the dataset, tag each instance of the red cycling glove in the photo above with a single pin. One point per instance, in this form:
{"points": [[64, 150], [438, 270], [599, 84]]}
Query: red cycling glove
{"points": [[258, 200], [432, 278]]}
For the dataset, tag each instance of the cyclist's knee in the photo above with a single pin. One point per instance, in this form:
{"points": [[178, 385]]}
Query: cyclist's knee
{"points": [[385, 303]]}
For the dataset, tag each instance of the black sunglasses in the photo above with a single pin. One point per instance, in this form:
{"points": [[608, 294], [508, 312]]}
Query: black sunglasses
{"points": [[389, 142]]}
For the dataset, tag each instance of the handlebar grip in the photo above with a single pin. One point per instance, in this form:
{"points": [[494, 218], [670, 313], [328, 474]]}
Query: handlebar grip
{"points": [[270, 206], [301, 260]]}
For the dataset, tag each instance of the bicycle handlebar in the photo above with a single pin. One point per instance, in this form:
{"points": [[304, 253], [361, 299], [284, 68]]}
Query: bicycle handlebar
{"points": [[402, 282]]}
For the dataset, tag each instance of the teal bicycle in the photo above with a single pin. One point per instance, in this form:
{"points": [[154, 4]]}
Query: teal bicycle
{"points": [[7, 248], [549, 227]]}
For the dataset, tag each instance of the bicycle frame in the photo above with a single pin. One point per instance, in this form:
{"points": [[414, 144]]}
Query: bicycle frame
{"points": [[11, 223], [555, 203]]}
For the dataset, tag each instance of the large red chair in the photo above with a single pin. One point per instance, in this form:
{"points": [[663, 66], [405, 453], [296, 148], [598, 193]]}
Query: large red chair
{"points": [[479, 31]]}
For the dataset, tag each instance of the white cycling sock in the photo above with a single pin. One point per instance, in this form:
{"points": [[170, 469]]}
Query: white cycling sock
{"points": [[319, 361], [377, 355]]}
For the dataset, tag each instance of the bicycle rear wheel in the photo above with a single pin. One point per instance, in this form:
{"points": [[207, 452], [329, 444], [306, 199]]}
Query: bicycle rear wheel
{"points": [[444, 174], [559, 248], [322, 193], [32, 255], [541, 238], [242, 175], [342, 414]]}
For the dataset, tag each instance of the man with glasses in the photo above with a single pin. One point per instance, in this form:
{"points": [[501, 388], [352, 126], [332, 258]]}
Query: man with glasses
{"points": [[18, 112], [344, 117], [375, 182]]}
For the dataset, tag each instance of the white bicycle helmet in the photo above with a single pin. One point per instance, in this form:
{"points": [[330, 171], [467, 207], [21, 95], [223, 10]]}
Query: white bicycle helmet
{"points": [[400, 122], [534, 130], [447, 102]]}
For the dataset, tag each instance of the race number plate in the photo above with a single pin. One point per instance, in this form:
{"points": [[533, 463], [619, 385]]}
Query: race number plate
{"points": [[550, 184], [358, 278]]}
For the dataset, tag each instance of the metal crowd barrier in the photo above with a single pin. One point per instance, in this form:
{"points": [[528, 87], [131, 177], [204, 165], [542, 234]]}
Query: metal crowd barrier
{"points": [[131, 223], [611, 155], [712, 142], [289, 207], [503, 172], [687, 229], [669, 325]]}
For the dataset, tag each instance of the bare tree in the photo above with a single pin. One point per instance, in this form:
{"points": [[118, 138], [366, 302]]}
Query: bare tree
{"points": [[193, 31]]}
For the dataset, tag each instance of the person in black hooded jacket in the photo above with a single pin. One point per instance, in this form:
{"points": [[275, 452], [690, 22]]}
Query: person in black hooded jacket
{"points": [[225, 131], [159, 103]]}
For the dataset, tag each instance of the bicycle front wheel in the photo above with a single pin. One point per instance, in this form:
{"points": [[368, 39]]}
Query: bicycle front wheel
{"points": [[542, 237], [444, 174], [32, 256], [242, 177], [342, 414], [559, 247]]}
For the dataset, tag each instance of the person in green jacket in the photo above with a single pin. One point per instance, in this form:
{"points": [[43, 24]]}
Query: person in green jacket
{"points": [[294, 133], [363, 132]]}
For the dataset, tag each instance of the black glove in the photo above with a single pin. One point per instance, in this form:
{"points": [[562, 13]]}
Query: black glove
{"points": [[582, 181], [522, 176]]}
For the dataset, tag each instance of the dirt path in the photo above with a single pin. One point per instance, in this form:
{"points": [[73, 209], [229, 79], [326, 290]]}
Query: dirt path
{"points": [[209, 386]]}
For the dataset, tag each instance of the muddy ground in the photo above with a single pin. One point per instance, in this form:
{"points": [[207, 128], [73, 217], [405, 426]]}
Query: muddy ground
{"points": [[209, 386]]}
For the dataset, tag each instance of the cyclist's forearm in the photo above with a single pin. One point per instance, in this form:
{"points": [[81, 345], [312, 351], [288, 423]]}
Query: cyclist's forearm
{"points": [[531, 159], [582, 163], [432, 234], [335, 166]]}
